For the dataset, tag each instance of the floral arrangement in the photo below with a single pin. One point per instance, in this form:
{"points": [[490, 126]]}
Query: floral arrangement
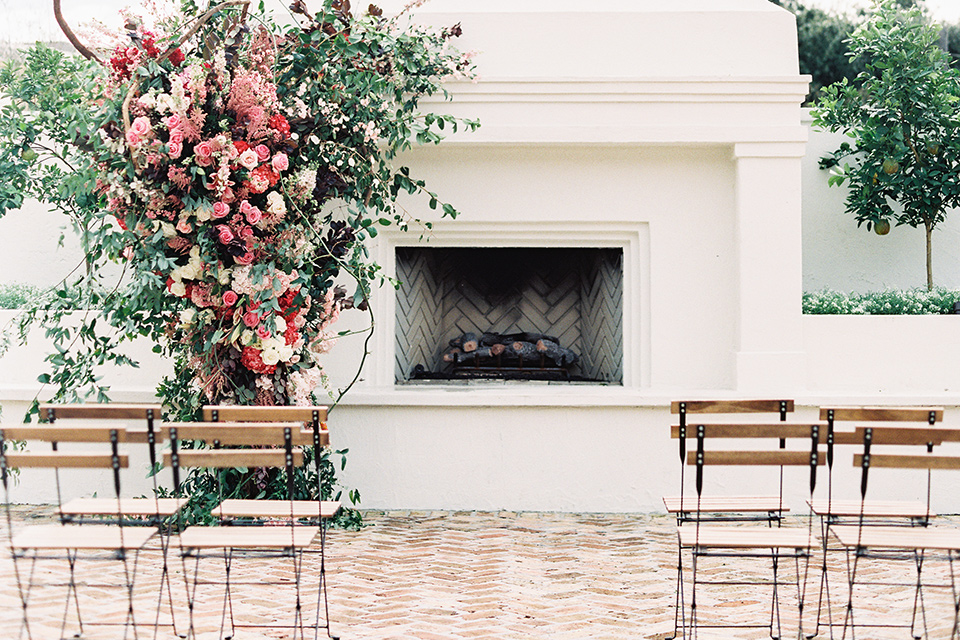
{"points": [[234, 166], [241, 165]]}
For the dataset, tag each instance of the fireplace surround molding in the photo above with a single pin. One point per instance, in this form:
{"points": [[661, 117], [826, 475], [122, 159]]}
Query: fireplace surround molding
{"points": [[631, 237]]}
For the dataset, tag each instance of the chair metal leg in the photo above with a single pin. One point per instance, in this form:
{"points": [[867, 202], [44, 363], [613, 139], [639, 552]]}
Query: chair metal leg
{"points": [[227, 596], [71, 589]]}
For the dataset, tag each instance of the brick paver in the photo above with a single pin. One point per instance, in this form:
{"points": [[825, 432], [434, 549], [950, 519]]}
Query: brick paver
{"points": [[444, 575]]}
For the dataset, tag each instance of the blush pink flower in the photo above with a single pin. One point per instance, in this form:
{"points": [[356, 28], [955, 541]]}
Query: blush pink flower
{"points": [[184, 227], [254, 215], [246, 258], [172, 121], [141, 126], [263, 152], [228, 195], [176, 136], [174, 149], [230, 298], [280, 162], [221, 209], [224, 234], [251, 319], [249, 159], [133, 139], [204, 149]]}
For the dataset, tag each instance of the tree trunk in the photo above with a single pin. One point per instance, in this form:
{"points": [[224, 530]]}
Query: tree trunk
{"points": [[928, 227]]}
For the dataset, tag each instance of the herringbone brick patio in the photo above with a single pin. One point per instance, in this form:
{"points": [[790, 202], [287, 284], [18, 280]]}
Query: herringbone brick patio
{"points": [[445, 575]]}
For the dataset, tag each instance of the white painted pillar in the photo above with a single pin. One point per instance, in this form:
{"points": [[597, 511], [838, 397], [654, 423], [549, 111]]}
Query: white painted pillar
{"points": [[769, 345]]}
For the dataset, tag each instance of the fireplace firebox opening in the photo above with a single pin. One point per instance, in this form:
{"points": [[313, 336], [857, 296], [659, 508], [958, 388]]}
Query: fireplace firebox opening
{"points": [[515, 313]]}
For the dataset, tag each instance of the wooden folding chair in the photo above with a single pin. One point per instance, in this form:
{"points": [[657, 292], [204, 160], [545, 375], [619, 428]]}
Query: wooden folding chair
{"points": [[319, 511], [835, 511], [65, 540], [733, 508], [915, 544], [749, 541], [288, 541], [141, 423]]}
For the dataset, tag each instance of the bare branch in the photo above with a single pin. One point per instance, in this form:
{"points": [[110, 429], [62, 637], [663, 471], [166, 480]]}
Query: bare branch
{"points": [[71, 36]]}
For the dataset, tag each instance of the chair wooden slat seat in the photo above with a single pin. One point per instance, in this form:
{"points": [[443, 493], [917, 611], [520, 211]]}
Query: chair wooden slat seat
{"points": [[724, 504], [280, 537], [88, 537], [235, 508], [871, 508], [887, 537], [135, 507], [753, 537]]}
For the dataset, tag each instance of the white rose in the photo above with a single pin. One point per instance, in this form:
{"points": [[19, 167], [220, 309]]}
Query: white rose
{"points": [[246, 338], [281, 324], [169, 231], [178, 289], [187, 316], [270, 356], [224, 277]]}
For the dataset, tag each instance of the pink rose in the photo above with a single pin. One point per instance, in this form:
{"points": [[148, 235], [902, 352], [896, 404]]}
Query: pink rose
{"points": [[172, 122], [174, 149], [280, 162], [230, 298], [246, 258], [133, 139], [184, 227], [203, 150], [251, 319], [263, 153], [254, 215], [263, 332], [221, 209], [141, 125], [246, 233], [249, 159], [225, 235], [176, 136], [203, 161]]}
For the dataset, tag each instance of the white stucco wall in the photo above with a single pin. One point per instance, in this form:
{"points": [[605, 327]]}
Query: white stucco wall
{"points": [[686, 151]]}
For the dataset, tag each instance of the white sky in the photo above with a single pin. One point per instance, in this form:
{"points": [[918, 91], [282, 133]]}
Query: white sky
{"points": [[29, 20], [942, 10]]}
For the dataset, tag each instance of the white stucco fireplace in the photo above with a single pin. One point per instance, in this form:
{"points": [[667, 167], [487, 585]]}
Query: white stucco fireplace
{"points": [[666, 137]]}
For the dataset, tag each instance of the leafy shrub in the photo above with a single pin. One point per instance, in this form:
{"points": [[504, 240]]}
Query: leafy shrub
{"points": [[889, 302], [15, 295]]}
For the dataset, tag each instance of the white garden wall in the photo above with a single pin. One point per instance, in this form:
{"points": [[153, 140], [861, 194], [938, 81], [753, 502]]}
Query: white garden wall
{"points": [[685, 152]]}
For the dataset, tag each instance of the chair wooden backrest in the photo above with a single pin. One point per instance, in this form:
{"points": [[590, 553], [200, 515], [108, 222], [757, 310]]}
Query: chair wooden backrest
{"points": [[686, 408], [901, 425], [219, 434], [56, 458], [781, 457], [928, 437]]}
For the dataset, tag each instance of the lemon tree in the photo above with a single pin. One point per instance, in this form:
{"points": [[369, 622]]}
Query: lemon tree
{"points": [[902, 114]]}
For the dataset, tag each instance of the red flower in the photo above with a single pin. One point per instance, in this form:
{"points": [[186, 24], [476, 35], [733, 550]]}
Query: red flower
{"points": [[279, 124], [252, 359], [240, 146], [290, 334], [176, 57]]}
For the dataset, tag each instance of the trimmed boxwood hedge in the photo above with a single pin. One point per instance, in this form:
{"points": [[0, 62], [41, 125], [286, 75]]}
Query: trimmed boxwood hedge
{"points": [[890, 302]]}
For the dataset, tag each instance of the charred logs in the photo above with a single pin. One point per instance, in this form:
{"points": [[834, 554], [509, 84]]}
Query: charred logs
{"points": [[511, 350]]}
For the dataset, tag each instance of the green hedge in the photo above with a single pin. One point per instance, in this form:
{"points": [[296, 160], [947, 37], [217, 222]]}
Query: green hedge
{"points": [[891, 302], [15, 296]]}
